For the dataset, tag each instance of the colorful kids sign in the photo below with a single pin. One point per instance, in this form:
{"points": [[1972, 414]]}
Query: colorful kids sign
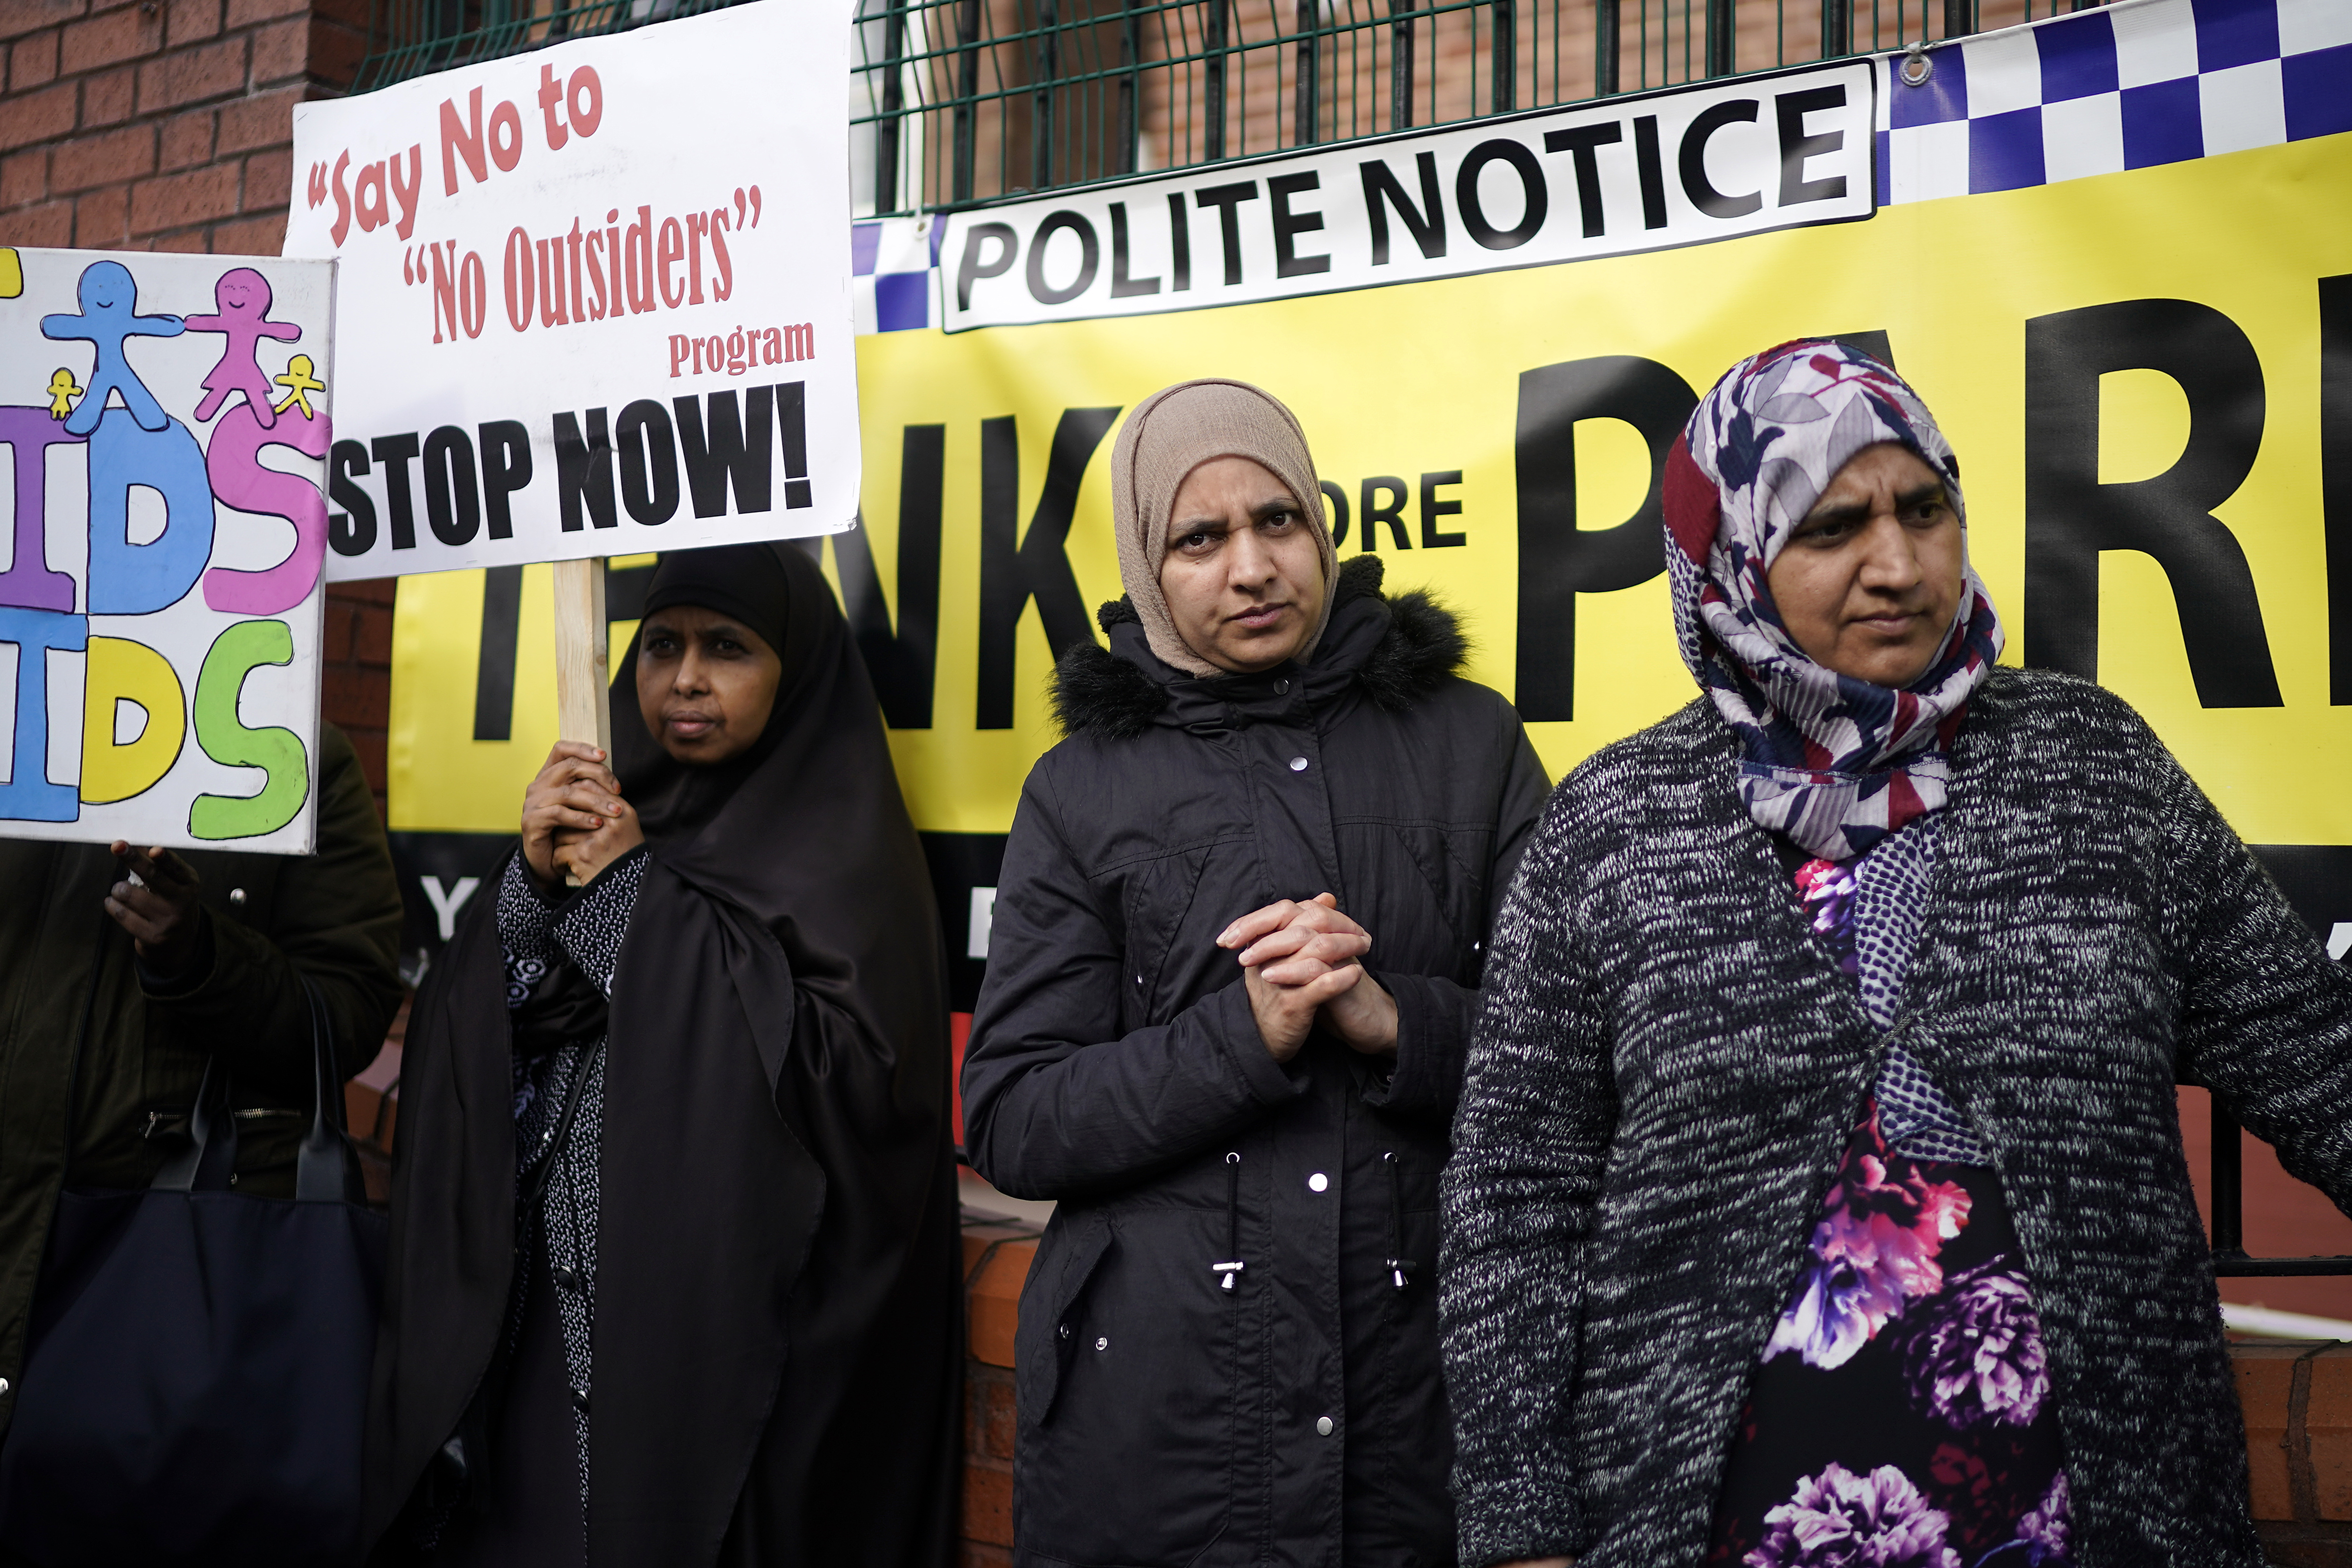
{"points": [[167, 423]]}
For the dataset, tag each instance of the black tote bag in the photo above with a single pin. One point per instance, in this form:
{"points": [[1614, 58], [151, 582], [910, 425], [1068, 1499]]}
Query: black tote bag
{"points": [[197, 1375]]}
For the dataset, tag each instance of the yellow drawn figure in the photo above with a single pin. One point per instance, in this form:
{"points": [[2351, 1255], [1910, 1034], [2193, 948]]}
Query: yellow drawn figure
{"points": [[298, 380], [62, 391]]}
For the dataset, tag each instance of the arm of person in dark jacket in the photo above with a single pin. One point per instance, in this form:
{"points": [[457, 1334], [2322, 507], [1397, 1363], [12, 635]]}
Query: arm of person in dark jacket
{"points": [[1057, 1100], [1517, 1202], [336, 919], [1434, 1012], [2265, 1014]]}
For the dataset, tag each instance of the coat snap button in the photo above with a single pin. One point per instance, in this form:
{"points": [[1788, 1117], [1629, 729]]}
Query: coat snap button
{"points": [[1323, 1425], [1103, 1343], [4, 1388], [1282, 689], [1298, 764], [1064, 1330], [566, 1278], [1318, 1182], [237, 896], [580, 1400]]}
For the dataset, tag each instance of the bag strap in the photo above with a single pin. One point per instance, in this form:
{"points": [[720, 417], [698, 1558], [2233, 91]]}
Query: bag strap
{"points": [[210, 1158], [322, 1172]]}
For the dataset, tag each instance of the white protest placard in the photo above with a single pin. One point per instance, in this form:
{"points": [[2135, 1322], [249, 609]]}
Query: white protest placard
{"points": [[166, 425], [594, 299]]}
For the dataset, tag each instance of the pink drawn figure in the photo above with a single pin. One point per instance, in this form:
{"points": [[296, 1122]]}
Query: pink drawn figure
{"points": [[243, 296]]}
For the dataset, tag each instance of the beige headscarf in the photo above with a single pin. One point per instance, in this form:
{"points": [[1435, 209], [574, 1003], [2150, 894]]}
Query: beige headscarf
{"points": [[1172, 432]]}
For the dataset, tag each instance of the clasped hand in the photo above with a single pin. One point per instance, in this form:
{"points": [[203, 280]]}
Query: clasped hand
{"points": [[575, 821], [1302, 962]]}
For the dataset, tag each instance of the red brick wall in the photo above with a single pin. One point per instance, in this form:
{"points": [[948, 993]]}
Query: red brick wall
{"points": [[996, 1259], [2283, 1218], [356, 686], [162, 124]]}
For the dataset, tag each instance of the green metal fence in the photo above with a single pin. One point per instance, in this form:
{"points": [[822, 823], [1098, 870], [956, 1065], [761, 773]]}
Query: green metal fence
{"points": [[971, 100], [416, 37], [956, 102]]}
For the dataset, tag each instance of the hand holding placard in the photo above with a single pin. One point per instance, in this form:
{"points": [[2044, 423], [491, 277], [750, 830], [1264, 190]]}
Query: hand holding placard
{"points": [[156, 903], [575, 821]]}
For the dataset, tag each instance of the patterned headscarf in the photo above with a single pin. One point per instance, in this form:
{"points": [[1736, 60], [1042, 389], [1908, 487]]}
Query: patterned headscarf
{"points": [[1834, 762]]}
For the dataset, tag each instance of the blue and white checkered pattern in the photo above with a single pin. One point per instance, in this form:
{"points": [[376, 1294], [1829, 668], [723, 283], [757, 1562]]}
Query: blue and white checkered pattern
{"points": [[893, 264], [2128, 86]]}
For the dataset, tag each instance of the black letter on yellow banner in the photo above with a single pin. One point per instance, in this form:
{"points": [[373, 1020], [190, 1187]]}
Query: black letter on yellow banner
{"points": [[2069, 516], [2335, 475], [1557, 560], [902, 662], [494, 661], [1038, 569]]}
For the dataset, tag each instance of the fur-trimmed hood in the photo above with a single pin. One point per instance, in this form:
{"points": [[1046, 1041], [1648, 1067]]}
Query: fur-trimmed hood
{"points": [[1396, 651]]}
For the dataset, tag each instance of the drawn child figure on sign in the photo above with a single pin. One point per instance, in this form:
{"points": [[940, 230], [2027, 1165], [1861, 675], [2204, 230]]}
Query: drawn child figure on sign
{"points": [[109, 314], [243, 298], [299, 381]]}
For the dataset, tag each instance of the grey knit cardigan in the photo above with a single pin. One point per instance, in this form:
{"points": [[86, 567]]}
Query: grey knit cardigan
{"points": [[1667, 1065]]}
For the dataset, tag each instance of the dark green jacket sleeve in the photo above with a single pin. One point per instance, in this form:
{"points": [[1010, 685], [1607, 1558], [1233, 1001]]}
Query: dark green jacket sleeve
{"points": [[333, 916]]}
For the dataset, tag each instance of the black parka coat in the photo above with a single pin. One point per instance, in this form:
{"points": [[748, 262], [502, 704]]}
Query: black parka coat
{"points": [[1291, 1411]]}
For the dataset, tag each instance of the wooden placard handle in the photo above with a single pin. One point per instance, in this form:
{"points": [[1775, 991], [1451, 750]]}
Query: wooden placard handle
{"points": [[582, 661], [582, 707]]}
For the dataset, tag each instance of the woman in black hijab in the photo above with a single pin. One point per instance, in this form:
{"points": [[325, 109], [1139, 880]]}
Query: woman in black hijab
{"points": [[673, 1274]]}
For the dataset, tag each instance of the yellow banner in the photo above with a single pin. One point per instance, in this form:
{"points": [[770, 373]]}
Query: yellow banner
{"points": [[2130, 367]]}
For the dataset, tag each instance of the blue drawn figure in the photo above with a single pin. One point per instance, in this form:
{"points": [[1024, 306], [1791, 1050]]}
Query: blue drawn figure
{"points": [[29, 795], [109, 313], [243, 296], [127, 579]]}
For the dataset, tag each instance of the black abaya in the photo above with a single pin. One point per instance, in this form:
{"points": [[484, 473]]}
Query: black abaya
{"points": [[534, 1521], [777, 1320]]}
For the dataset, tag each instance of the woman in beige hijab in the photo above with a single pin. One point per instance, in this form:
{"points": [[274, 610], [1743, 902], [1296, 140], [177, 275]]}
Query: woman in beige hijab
{"points": [[1237, 948]]}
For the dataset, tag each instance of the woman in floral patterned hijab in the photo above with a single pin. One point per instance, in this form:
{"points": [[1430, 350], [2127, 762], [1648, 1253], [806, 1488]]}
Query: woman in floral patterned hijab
{"points": [[1910, 1352], [1835, 760], [1817, 1199]]}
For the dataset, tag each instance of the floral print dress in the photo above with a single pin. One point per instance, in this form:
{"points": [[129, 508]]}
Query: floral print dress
{"points": [[1901, 1414]]}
